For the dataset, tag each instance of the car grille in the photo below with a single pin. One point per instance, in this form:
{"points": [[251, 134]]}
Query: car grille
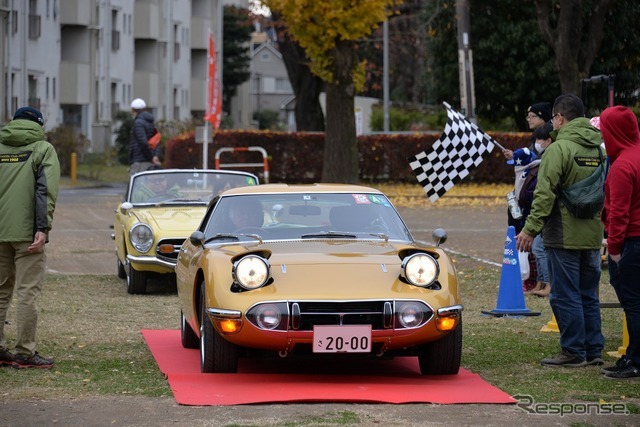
{"points": [[172, 257], [306, 314]]}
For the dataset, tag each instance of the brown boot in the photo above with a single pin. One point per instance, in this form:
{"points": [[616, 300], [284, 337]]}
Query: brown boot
{"points": [[537, 288], [544, 292]]}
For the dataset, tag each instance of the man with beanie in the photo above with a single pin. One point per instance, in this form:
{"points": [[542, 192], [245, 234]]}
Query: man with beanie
{"points": [[572, 244], [29, 179], [141, 156], [621, 217]]}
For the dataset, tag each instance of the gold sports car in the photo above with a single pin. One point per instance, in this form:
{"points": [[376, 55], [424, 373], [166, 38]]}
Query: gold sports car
{"points": [[324, 270], [160, 210]]}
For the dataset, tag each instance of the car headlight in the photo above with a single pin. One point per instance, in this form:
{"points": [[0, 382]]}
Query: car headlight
{"points": [[410, 314], [141, 236], [420, 269], [251, 272], [268, 316]]}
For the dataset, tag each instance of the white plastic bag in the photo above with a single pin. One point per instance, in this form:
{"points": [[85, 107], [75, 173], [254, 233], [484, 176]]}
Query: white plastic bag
{"points": [[523, 260]]}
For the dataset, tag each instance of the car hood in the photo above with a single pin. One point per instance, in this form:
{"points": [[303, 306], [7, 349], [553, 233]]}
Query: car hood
{"points": [[172, 218], [337, 270]]}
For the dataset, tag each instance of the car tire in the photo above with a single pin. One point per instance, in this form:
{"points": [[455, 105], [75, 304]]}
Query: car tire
{"points": [[188, 337], [136, 281], [442, 357], [122, 273], [217, 355]]}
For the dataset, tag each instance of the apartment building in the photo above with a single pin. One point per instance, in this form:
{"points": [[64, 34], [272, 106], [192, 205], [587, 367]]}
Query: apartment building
{"points": [[82, 61]]}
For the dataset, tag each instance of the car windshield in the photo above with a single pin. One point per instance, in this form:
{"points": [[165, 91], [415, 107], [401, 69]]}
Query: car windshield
{"points": [[305, 216], [195, 186]]}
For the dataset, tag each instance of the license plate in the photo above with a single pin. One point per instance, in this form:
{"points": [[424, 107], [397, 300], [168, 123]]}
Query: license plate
{"points": [[342, 339]]}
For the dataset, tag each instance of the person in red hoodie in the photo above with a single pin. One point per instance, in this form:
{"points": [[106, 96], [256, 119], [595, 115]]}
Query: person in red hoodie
{"points": [[621, 218]]}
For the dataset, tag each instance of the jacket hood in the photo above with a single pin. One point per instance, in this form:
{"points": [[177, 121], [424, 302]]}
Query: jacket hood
{"points": [[21, 132], [146, 116], [619, 127], [579, 131]]}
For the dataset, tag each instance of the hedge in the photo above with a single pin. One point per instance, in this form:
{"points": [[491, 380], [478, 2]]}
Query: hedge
{"points": [[297, 157]]}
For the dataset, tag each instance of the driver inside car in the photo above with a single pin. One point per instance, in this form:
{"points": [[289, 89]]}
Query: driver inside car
{"points": [[156, 188], [246, 214]]}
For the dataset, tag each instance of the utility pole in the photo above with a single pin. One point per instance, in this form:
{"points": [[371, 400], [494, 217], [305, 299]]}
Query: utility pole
{"points": [[465, 61]]}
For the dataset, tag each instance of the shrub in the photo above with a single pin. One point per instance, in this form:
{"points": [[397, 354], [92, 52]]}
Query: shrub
{"points": [[67, 140]]}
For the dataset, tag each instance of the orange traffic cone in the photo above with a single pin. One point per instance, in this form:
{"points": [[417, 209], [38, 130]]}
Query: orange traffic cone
{"points": [[510, 294]]}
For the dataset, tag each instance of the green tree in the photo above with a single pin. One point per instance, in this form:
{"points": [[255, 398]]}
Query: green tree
{"points": [[329, 31], [235, 49]]}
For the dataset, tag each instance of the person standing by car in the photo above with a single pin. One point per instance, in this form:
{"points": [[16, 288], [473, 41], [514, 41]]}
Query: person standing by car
{"points": [[29, 180], [572, 244], [141, 156], [621, 217]]}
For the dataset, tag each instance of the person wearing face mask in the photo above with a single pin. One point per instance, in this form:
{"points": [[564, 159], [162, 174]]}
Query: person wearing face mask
{"points": [[542, 139], [538, 114]]}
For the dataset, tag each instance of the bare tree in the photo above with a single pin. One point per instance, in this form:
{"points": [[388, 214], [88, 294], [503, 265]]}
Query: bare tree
{"points": [[575, 44]]}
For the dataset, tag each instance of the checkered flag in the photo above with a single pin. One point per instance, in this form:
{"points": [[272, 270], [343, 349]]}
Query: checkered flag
{"points": [[461, 147]]}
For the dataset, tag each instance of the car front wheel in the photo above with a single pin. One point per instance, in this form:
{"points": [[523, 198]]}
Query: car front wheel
{"points": [[136, 281], [188, 337], [442, 357], [216, 353], [122, 273]]}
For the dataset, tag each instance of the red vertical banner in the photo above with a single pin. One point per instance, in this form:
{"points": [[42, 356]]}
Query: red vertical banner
{"points": [[214, 90]]}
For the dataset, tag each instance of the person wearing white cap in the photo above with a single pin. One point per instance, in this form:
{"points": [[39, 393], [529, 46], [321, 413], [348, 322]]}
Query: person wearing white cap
{"points": [[141, 156]]}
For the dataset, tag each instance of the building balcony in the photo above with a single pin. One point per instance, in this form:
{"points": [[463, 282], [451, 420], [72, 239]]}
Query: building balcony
{"points": [[146, 84], [76, 12], [75, 83], [200, 32], [198, 94], [146, 21]]}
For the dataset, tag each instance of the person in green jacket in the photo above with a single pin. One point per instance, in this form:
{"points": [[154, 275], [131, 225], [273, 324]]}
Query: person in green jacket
{"points": [[572, 244], [29, 180]]}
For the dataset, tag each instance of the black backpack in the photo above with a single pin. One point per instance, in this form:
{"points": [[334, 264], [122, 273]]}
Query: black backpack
{"points": [[585, 198]]}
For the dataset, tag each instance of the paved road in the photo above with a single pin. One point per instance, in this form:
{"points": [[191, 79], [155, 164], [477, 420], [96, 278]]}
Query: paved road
{"points": [[80, 241]]}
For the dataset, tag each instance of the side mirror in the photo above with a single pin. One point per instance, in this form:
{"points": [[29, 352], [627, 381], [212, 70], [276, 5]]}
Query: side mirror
{"points": [[439, 236], [125, 207], [197, 238]]}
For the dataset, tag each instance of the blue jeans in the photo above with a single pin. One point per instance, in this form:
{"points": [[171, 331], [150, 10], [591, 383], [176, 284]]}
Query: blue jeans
{"points": [[541, 259], [574, 300], [624, 279]]}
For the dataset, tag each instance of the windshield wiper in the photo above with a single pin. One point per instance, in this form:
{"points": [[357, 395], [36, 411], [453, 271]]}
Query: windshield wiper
{"points": [[167, 202], [330, 235], [220, 236]]}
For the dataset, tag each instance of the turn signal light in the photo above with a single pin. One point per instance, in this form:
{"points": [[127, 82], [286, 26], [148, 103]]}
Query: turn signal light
{"points": [[228, 326], [165, 249], [446, 323]]}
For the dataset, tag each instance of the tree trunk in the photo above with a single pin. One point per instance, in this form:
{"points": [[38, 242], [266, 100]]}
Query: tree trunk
{"points": [[340, 146], [574, 48], [306, 86]]}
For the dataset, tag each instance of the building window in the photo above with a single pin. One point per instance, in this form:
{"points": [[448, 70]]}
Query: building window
{"points": [[283, 85], [34, 26]]}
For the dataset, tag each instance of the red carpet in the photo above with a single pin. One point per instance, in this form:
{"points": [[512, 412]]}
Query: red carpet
{"points": [[263, 381]]}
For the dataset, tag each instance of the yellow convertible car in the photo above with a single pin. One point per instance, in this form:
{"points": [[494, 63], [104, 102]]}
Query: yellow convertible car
{"points": [[160, 210], [324, 270]]}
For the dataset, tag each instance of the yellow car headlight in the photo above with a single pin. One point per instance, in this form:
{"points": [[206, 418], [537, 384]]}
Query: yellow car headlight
{"points": [[251, 272], [141, 237], [420, 269]]}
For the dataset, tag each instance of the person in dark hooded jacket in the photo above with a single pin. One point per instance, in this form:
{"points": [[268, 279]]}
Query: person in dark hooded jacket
{"points": [[141, 156], [621, 217]]}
